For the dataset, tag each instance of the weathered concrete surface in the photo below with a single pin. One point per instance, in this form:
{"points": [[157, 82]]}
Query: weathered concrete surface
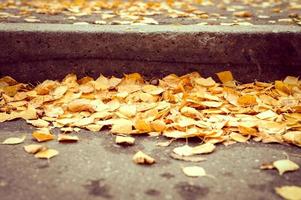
{"points": [[191, 44], [38, 71], [96, 168], [251, 51]]}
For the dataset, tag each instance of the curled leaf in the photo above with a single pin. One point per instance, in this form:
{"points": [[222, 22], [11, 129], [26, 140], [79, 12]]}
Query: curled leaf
{"points": [[142, 158], [67, 138], [124, 140], [34, 148]]}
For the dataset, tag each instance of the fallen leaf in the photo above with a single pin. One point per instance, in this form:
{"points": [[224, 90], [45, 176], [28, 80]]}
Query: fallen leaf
{"points": [[128, 110], [34, 148], [42, 135], [247, 100], [187, 158], [39, 123], [164, 144], [225, 76], [47, 154], [183, 150], [122, 126], [14, 140], [289, 192], [142, 158], [285, 165], [238, 137], [265, 166], [203, 148], [194, 171], [67, 138], [124, 140]]}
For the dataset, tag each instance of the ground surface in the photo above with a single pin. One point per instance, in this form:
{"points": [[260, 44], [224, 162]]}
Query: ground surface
{"points": [[215, 12], [96, 168]]}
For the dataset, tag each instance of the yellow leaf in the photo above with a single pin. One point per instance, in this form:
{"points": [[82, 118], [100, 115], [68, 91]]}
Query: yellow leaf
{"points": [[238, 137], [14, 140], [78, 105], [42, 135], [122, 126], [282, 87], [102, 83], [143, 126], [194, 171], [289, 192], [128, 110], [247, 100], [153, 90], [39, 123], [34, 148], [94, 127], [266, 114], [124, 140], [183, 150], [225, 76], [47, 154], [208, 82], [59, 91], [158, 125], [67, 138], [293, 137], [211, 104], [142, 158], [187, 158], [203, 148], [9, 80], [45, 87], [285, 165]]}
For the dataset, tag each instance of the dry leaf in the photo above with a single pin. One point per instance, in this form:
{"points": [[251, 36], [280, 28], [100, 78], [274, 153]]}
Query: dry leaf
{"points": [[289, 192], [14, 140], [285, 165], [238, 137], [122, 126], [128, 110], [203, 148], [34, 148], [42, 135], [124, 140], [187, 158], [247, 100], [183, 150], [164, 144], [143, 126], [67, 138], [39, 123], [142, 158], [194, 171], [47, 154], [225, 76]]}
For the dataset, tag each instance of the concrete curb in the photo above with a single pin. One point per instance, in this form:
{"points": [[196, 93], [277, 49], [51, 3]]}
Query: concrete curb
{"points": [[274, 45]]}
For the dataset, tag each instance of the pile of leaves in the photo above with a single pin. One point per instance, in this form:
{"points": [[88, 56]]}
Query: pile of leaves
{"points": [[175, 107]]}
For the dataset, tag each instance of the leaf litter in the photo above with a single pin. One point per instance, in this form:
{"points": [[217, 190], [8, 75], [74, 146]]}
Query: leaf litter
{"points": [[175, 107]]}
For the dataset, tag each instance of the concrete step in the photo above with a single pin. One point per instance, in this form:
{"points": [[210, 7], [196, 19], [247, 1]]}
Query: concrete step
{"points": [[250, 52]]}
